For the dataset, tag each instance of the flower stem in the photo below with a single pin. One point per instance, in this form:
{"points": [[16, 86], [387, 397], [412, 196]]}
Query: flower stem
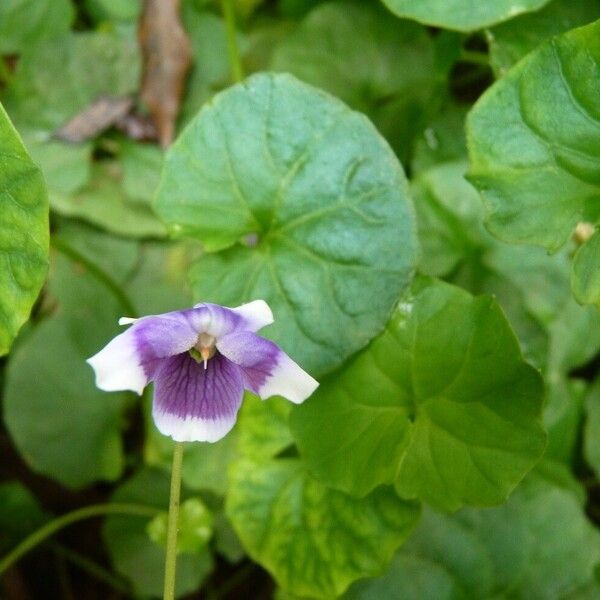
{"points": [[237, 71], [94, 510], [171, 557]]}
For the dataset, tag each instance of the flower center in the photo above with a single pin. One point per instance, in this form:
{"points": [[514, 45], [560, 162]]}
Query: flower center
{"points": [[204, 348]]}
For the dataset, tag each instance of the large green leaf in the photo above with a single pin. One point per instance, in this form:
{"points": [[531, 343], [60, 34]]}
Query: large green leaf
{"points": [[318, 201], [534, 142], [510, 41], [380, 66], [134, 554], [462, 15], [442, 404], [62, 425], [24, 23], [538, 546], [23, 233], [314, 540]]}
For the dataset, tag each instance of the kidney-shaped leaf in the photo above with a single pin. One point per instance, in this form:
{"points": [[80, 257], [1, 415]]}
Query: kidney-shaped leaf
{"points": [[23, 232], [534, 142], [320, 200], [441, 403], [314, 540], [462, 15]]}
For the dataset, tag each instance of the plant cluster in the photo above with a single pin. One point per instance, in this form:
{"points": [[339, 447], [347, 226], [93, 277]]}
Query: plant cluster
{"points": [[413, 186]]}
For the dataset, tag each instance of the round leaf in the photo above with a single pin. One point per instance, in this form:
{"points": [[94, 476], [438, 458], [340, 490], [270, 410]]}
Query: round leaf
{"points": [[461, 15], [23, 233], [314, 540], [320, 200], [441, 403]]}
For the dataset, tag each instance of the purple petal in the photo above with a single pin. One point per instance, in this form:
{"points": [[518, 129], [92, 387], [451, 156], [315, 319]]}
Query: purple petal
{"points": [[268, 371], [129, 360], [192, 403]]}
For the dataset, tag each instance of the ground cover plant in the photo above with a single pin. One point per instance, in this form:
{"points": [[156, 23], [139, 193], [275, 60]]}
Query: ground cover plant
{"points": [[399, 201]]}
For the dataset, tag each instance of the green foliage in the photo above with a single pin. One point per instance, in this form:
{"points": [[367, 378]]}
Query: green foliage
{"points": [[99, 64], [441, 404], [132, 551], [388, 70], [195, 527], [21, 514], [27, 22], [23, 233], [279, 510], [471, 389], [511, 41], [538, 545], [533, 147], [462, 15], [63, 425], [303, 199]]}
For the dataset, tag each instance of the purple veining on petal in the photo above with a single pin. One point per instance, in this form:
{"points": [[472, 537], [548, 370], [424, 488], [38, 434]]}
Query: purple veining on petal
{"points": [[185, 389], [255, 355], [161, 336]]}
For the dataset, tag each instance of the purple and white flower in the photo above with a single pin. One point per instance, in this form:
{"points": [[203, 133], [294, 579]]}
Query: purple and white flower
{"points": [[200, 360]]}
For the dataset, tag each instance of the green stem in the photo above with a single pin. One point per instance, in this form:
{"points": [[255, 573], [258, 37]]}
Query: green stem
{"points": [[95, 271], [50, 528], [474, 57], [237, 71], [171, 556]]}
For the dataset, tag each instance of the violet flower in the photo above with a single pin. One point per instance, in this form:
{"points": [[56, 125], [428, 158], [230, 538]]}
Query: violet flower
{"points": [[200, 361]]}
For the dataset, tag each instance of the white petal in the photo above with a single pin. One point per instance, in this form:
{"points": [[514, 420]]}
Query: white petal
{"points": [[289, 380], [257, 314], [192, 429], [117, 366], [127, 320]]}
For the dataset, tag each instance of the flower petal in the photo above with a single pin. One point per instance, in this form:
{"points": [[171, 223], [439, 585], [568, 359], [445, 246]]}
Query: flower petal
{"points": [[117, 366], [268, 371], [129, 361], [221, 320], [256, 314], [192, 403]]}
